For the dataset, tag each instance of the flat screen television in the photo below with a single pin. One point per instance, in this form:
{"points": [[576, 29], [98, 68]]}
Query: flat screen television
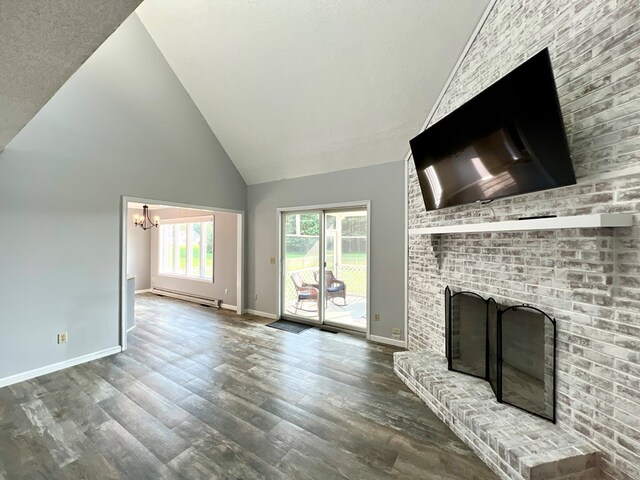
{"points": [[508, 140]]}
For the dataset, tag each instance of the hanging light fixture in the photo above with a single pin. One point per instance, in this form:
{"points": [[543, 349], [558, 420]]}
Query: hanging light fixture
{"points": [[144, 221]]}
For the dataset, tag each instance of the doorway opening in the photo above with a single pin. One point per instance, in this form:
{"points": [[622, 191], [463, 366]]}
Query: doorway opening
{"points": [[189, 252], [324, 259]]}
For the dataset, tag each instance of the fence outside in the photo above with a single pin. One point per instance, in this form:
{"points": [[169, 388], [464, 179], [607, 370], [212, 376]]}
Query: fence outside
{"points": [[353, 275]]}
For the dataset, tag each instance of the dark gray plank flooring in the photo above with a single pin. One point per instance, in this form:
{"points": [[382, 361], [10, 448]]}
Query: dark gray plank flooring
{"points": [[205, 394]]}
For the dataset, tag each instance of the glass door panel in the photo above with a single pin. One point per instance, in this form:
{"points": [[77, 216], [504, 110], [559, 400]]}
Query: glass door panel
{"points": [[301, 256], [345, 285]]}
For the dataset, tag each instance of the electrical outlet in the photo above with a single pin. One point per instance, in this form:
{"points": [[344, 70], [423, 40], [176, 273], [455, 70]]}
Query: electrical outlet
{"points": [[272, 260], [376, 317], [226, 291], [396, 336], [63, 337], [395, 331]]}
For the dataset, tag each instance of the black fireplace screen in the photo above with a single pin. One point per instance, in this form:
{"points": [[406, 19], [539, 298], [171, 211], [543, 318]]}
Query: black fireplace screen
{"points": [[513, 348]]}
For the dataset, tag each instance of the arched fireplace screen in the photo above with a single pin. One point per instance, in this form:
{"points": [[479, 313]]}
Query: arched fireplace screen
{"points": [[513, 348]]}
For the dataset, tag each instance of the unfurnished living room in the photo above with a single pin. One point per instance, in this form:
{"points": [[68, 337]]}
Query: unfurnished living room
{"points": [[294, 239]]}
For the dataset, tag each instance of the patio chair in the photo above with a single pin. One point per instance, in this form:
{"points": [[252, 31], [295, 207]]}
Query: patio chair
{"points": [[334, 288], [305, 292]]}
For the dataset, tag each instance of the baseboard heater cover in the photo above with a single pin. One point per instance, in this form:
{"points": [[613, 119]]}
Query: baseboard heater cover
{"points": [[212, 302]]}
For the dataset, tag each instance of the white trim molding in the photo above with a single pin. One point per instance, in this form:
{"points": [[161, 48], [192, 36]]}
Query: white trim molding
{"points": [[388, 341], [325, 206], [596, 220], [146, 290], [54, 367], [240, 251], [261, 314], [198, 219]]}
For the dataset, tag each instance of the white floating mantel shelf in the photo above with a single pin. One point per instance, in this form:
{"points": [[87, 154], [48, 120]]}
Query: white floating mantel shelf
{"points": [[599, 220]]}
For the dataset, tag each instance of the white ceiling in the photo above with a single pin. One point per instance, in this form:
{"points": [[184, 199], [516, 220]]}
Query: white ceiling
{"points": [[42, 43], [296, 88]]}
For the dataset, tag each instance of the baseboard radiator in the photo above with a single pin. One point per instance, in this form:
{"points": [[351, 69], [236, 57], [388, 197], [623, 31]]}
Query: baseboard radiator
{"points": [[189, 297]]}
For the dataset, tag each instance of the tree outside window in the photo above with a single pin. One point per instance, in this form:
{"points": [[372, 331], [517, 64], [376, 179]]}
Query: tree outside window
{"points": [[186, 249]]}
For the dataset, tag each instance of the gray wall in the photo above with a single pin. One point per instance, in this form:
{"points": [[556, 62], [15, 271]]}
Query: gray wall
{"points": [[224, 260], [586, 278], [138, 245], [383, 185], [122, 125]]}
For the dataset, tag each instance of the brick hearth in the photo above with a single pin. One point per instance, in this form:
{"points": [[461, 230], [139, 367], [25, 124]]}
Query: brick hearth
{"points": [[515, 444]]}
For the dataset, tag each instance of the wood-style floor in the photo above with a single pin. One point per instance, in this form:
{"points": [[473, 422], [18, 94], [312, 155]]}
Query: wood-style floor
{"points": [[205, 394]]}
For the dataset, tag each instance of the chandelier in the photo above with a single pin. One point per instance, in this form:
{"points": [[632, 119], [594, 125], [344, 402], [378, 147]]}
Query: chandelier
{"points": [[144, 221]]}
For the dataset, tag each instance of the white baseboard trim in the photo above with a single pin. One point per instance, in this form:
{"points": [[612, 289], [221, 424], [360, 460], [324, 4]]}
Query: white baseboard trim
{"points": [[226, 306], [146, 290], [21, 377], [388, 341], [261, 314], [130, 328]]}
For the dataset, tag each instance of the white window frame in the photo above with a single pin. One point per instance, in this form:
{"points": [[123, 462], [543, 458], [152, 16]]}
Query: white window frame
{"points": [[203, 258]]}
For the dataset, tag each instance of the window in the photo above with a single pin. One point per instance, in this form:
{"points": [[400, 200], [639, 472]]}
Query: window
{"points": [[186, 248]]}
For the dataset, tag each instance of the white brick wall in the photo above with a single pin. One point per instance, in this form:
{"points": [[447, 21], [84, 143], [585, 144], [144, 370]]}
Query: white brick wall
{"points": [[589, 279]]}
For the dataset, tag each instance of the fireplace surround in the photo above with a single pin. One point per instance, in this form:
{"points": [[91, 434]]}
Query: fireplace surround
{"points": [[586, 277], [511, 347]]}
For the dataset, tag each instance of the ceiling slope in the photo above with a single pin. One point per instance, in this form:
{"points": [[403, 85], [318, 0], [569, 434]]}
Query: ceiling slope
{"points": [[42, 43], [295, 88]]}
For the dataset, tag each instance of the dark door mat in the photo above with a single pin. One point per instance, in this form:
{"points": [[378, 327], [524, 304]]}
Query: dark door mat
{"points": [[287, 326], [327, 330]]}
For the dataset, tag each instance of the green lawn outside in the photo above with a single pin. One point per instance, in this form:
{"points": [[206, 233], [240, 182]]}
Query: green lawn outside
{"points": [[355, 278], [196, 259]]}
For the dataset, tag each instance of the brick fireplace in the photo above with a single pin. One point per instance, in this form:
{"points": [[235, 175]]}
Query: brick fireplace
{"points": [[585, 278]]}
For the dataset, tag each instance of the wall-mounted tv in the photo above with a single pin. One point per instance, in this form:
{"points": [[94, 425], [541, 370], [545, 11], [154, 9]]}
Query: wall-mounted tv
{"points": [[508, 140]]}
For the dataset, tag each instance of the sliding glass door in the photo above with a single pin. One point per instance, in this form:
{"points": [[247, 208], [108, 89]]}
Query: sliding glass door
{"points": [[300, 265], [324, 267], [345, 286]]}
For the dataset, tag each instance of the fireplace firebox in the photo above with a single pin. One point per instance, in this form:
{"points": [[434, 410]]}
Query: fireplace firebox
{"points": [[511, 347]]}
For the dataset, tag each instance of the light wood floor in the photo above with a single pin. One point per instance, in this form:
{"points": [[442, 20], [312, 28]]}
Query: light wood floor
{"points": [[206, 394]]}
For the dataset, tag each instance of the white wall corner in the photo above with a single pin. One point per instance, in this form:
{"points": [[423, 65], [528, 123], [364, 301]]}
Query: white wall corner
{"points": [[54, 367], [388, 341], [258, 313]]}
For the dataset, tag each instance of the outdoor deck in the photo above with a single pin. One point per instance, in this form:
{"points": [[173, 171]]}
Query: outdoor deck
{"points": [[352, 315]]}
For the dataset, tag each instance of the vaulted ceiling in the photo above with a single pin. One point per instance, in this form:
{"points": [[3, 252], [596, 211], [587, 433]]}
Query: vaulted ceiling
{"points": [[42, 43], [295, 88], [290, 87]]}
